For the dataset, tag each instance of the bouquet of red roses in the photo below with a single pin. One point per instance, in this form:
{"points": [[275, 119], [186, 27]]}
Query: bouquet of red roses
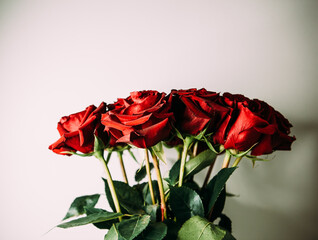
{"points": [[200, 125]]}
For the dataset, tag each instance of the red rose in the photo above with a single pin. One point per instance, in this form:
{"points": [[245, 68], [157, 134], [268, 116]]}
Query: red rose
{"points": [[194, 109], [247, 130], [230, 101], [143, 119], [280, 139], [251, 122], [77, 131]]}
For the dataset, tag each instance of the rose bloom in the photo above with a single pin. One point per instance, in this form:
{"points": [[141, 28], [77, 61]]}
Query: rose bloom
{"points": [[253, 123], [77, 131], [197, 109], [143, 119]]}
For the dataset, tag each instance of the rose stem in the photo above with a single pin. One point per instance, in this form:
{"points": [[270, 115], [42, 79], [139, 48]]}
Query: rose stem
{"points": [[120, 156], [149, 177], [227, 159], [194, 154], [186, 145], [108, 156], [179, 150], [160, 185], [195, 149], [110, 183], [208, 174], [237, 161]]}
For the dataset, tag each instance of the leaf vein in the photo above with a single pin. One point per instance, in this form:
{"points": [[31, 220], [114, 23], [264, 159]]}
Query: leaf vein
{"points": [[206, 225], [135, 226]]}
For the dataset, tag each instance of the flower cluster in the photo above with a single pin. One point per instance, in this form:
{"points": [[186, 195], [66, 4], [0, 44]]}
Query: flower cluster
{"points": [[146, 118], [200, 125]]}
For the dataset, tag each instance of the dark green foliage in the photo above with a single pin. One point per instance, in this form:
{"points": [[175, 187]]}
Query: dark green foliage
{"points": [[225, 222], [191, 210], [146, 193], [129, 198], [215, 187], [142, 173], [193, 166], [78, 205], [198, 228], [185, 203], [155, 231], [101, 225], [92, 218], [131, 228]]}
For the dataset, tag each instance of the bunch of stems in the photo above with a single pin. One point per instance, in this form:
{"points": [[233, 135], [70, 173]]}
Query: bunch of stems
{"points": [[186, 146]]}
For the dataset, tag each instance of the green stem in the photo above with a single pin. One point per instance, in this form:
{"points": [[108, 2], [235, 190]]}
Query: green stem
{"points": [[110, 183], [208, 174], [108, 156], [237, 161], [179, 151], [149, 178], [195, 149], [186, 144], [161, 190], [227, 159], [122, 166]]}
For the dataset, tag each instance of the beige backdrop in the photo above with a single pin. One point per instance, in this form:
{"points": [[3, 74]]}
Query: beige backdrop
{"points": [[59, 56]]}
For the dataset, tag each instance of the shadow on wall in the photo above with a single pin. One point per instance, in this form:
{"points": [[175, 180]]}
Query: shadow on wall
{"points": [[278, 199], [252, 223]]}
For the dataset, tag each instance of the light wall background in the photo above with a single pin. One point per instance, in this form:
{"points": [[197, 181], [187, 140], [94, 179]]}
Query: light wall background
{"points": [[59, 56]]}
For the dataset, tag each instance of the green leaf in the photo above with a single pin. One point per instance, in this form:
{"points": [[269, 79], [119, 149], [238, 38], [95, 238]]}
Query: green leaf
{"points": [[225, 222], [155, 231], [159, 152], [196, 164], [217, 208], [78, 205], [128, 197], [166, 185], [113, 234], [185, 203], [192, 185], [173, 229], [201, 161], [193, 166], [142, 173], [174, 173], [92, 218], [146, 192], [139, 187], [101, 225], [131, 228], [152, 210], [216, 185], [197, 228]]}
